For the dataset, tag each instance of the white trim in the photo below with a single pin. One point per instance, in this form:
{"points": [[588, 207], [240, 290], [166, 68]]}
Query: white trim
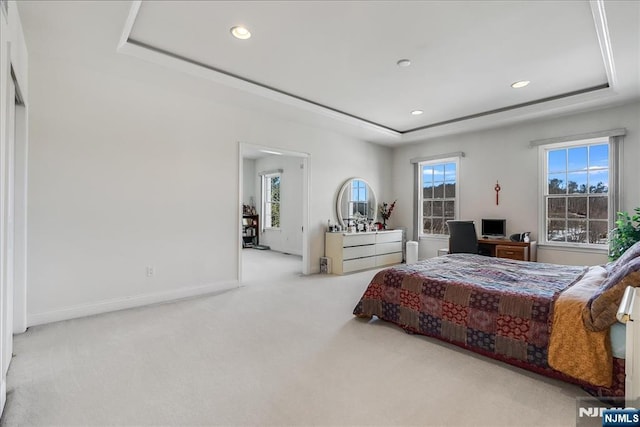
{"points": [[306, 208], [115, 304], [616, 164], [427, 159], [632, 359], [21, 184], [7, 214], [569, 247], [434, 237], [3, 394], [602, 31], [271, 172], [581, 137], [128, 24], [240, 210]]}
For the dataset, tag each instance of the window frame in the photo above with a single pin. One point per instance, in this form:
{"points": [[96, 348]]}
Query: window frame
{"points": [[267, 202], [612, 194], [420, 194], [354, 202]]}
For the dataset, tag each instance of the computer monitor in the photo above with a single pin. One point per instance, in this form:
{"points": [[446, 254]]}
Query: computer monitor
{"points": [[494, 227]]}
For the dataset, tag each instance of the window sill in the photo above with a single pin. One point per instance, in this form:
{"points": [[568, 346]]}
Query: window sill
{"points": [[571, 248], [433, 237]]}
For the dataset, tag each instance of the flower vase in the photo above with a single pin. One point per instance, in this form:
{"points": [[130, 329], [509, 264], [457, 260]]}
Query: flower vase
{"points": [[384, 223]]}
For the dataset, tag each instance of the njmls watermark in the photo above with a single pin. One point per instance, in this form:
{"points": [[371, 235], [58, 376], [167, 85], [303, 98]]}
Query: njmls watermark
{"points": [[615, 412]]}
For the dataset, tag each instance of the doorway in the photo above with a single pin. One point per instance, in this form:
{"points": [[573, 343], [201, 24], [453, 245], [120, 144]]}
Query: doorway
{"points": [[274, 210]]}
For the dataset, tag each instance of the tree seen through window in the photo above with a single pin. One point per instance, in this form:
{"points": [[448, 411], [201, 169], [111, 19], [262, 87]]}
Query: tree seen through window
{"points": [[577, 194], [271, 196], [438, 196]]}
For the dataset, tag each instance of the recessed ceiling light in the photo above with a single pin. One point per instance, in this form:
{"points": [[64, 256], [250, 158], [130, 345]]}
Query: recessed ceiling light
{"points": [[403, 62], [521, 83], [240, 32], [417, 112]]}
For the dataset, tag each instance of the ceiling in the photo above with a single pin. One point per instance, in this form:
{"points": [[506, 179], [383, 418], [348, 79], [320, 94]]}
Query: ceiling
{"points": [[336, 62]]}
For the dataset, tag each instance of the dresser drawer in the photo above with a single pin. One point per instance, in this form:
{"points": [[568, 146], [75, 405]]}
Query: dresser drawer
{"points": [[358, 239], [388, 248], [389, 236], [512, 252], [358, 251], [389, 259], [358, 264]]}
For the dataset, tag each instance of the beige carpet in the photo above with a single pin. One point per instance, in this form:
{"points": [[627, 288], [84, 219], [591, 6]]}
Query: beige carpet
{"points": [[283, 350]]}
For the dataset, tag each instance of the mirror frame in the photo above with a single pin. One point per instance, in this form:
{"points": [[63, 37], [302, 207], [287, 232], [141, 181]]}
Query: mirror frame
{"points": [[344, 187]]}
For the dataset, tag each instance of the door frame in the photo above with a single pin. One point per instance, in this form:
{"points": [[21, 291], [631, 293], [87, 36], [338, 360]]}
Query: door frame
{"points": [[14, 119], [243, 147], [14, 194], [6, 228], [20, 181], [13, 211]]}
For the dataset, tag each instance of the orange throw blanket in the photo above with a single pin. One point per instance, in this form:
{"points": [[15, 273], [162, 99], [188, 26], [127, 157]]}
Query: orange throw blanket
{"points": [[573, 350]]}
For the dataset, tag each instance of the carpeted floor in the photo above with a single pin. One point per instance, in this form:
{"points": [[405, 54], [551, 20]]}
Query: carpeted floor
{"points": [[282, 350]]}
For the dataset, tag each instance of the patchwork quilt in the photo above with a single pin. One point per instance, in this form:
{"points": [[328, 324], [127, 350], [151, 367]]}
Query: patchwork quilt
{"points": [[498, 307]]}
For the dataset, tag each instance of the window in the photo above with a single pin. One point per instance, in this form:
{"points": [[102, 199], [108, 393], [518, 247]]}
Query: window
{"points": [[271, 200], [437, 195], [576, 192], [359, 199]]}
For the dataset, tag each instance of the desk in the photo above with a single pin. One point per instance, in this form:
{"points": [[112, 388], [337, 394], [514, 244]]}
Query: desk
{"points": [[505, 248]]}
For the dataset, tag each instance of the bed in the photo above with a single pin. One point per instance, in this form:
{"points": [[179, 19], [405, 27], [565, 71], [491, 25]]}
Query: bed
{"points": [[551, 319]]}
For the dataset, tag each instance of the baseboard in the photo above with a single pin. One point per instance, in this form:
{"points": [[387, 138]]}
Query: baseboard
{"points": [[3, 395], [126, 302]]}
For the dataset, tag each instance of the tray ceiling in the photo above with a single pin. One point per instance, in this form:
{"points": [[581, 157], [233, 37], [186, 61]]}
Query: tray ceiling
{"points": [[340, 58]]}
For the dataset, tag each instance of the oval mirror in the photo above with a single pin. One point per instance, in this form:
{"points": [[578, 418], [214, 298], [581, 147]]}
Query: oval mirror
{"points": [[356, 200]]}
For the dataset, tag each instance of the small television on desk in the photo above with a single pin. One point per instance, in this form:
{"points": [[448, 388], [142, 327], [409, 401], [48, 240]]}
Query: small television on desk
{"points": [[494, 228]]}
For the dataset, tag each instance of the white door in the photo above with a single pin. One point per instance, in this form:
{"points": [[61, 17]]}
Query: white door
{"points": [[6, 237]]}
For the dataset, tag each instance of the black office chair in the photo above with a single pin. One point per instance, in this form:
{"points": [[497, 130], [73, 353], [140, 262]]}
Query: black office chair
{"points": [[462, 237]]}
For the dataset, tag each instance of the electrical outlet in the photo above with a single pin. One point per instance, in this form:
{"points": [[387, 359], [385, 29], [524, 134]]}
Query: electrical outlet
{"points": [[150, 271]]}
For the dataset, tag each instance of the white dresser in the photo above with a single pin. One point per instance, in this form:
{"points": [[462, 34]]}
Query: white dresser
{"points": [[359, 251]]}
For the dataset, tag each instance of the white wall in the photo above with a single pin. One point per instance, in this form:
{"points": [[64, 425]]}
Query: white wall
{"points": [[288, 238], [133, 165], [249, 194], [504, 154]]}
